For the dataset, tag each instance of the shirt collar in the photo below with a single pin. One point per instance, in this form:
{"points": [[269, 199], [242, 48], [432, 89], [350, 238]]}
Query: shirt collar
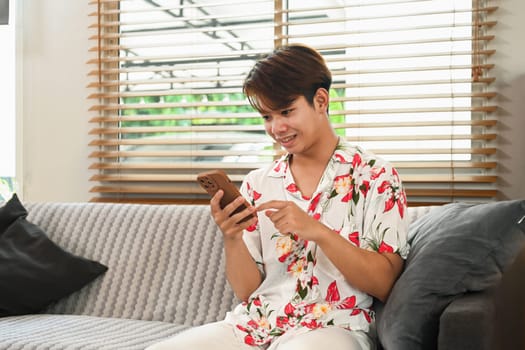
{"points": [[280, 166], [344, 153]]}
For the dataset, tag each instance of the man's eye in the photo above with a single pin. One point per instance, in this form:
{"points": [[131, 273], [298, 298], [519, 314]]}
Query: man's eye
{"points": [[266, 117], [286, 111]]}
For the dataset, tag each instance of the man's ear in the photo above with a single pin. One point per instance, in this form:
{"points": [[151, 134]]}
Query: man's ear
{"points": [[321, 99]]}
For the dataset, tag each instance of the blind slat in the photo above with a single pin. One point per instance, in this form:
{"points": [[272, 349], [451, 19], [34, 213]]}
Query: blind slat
{"points": [[242, 53], [485, 109], [191, 177], [205, 29], [249, 165], [483, 80], [167, 129], [289, 11], [344, 58], [204, 41], [166, 141], [203, 153], [485, 95]]}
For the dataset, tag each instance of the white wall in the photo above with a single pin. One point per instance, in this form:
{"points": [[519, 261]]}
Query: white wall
{"points": [[7, 97], [55, 51], [510, 84], [55, 39]]}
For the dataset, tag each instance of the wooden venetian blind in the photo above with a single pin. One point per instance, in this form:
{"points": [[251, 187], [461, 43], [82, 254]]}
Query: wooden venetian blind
{"points": [[411, 82]]}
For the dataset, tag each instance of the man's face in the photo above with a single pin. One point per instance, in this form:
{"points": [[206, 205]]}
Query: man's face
{"points": [[296, 127]]}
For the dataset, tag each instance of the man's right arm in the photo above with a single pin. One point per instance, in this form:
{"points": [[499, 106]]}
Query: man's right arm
{"points": [[241, 270]]}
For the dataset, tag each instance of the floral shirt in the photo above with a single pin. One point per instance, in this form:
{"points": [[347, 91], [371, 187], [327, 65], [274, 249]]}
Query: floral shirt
{"points": [[361, 198]]}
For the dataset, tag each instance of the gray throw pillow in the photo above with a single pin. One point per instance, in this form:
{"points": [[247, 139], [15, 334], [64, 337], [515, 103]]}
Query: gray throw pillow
{"points": [[455, 248]]}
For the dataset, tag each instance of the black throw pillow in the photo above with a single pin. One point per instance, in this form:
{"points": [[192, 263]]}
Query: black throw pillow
{"points": [[12, 210], [34, 271]]}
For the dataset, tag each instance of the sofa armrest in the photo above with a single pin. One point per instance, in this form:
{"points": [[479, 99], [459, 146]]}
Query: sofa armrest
{"points": [[466, 323]]}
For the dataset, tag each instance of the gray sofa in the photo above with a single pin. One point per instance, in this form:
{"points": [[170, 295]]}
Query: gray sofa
{"points": [[165, 274]]}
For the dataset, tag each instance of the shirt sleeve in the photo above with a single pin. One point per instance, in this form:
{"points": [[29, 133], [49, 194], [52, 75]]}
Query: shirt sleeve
{"points": [[385, 223], [252, 236]]}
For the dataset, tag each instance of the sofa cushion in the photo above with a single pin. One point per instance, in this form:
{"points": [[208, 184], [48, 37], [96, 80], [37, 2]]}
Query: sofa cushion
{"points": [[33, 269], [455, 248], [74, 332]]}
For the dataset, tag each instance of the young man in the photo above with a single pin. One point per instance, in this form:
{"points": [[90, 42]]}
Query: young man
{"points": [[330, 232]]}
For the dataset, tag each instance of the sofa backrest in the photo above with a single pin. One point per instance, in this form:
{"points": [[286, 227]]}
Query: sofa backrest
{"points": [[165, 262], [414, 213]]}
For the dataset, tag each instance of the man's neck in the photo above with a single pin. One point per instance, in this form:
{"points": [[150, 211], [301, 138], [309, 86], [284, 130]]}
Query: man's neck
{"points": [[319, 154]]}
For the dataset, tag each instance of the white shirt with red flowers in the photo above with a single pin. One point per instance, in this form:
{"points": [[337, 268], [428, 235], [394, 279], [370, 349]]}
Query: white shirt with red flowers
{"points": [[361, 198]]}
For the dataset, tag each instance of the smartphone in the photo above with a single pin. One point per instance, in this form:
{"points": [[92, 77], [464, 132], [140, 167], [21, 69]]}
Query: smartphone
{"points": [[215, 180]]}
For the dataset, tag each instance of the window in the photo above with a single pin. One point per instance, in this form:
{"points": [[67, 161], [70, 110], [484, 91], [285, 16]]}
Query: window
{"points": [[7, 105], [411, 83]]}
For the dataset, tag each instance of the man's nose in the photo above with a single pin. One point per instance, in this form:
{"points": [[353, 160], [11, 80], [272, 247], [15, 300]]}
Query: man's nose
{"points": [[279, 125]]}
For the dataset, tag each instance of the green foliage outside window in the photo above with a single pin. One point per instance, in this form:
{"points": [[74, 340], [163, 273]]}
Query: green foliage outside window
{"points": [[7, 188], [203, 110]]}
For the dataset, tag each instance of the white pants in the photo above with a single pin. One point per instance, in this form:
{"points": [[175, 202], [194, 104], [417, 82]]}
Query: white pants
{"points": [[220, 336]]}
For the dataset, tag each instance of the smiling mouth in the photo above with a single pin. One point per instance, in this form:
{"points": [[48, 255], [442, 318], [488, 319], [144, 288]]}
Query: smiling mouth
{"points": [[286, 139]]}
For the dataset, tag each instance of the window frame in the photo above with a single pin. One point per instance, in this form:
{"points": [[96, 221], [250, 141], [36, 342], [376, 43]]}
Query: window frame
{"points": [[427, 181]]}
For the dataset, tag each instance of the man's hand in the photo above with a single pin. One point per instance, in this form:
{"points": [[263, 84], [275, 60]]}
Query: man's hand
{"points": [[287, 217], [228, 223]]}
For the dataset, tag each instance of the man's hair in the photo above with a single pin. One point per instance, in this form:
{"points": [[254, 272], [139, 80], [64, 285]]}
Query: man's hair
{"points": [[279, 78]]}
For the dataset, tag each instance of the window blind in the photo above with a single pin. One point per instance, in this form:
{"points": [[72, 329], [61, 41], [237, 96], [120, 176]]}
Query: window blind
{"points": [[411, 82]]}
